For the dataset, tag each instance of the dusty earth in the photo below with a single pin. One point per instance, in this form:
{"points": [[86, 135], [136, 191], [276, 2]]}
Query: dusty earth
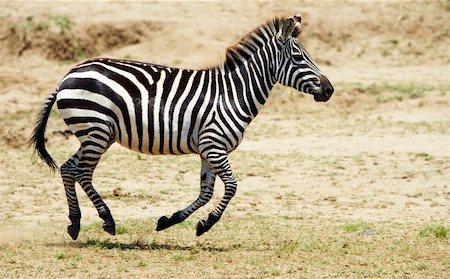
{"points": [[375, 158]]}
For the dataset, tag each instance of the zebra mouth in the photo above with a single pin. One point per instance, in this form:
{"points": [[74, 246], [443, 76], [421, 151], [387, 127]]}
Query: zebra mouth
{"points": [[323, 91], [317, 91], [319, 95], [313, 90]]}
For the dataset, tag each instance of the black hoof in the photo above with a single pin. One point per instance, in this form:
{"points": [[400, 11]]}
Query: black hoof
{"points": [[201, 228], [163, 223], [204, 226], [73, 230], [109, 226]]}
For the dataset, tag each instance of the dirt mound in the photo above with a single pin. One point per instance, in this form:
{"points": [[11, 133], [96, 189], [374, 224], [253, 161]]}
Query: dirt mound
{"points": [[61, 39]]}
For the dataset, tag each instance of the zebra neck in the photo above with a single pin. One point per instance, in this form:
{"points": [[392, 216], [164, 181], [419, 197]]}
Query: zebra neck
{"points": [[247, 87]]}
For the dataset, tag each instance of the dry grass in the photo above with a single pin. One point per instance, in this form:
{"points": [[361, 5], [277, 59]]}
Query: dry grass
{"points": [[250, 247], [300, 212], [354, 188]]}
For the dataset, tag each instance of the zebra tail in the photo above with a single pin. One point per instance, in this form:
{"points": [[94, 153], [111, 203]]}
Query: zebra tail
{"points": [[37, 140]]}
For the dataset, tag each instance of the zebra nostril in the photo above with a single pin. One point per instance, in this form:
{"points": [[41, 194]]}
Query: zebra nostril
{"points": [[326, 86]]}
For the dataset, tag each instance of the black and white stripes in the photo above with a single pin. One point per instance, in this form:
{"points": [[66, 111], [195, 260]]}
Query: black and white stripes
{"points": [[163, 110]]}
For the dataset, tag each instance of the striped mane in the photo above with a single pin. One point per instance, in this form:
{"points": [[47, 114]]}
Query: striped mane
{"points": [[248, 44]]}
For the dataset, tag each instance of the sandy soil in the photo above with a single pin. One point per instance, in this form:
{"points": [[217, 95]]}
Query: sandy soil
{"points": [[379, 150]]}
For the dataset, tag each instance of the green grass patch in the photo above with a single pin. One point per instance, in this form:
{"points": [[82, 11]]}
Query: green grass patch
{"points": [[121, 229], [355, 227], [438, 230], [61, 256], [422, 266], [288, 247], [63, 22], [91, 227], [102, 244], [187, 224]]}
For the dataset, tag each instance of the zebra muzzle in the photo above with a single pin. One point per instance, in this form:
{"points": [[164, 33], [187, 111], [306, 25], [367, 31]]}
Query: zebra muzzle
{"points": [[326, 90]]}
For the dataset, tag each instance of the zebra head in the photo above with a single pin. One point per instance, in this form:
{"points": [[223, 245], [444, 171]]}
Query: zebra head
{"points": [[296, 68]]}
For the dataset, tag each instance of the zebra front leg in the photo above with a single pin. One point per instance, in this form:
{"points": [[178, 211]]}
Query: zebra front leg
{"points": [[218, 160], [207, 179], [68, 172]]}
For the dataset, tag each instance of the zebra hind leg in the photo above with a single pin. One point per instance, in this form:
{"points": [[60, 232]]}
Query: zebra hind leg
{"points": [[68, 172], [86, 166], [207, 179], [93, 145]]}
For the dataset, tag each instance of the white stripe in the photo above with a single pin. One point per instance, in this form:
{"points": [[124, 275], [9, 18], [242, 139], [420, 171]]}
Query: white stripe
{"points": [[243, 93], [227, 101], [144, 106], [177, 110], [188, 110], [96, 98], [131, 106], [166, 110], [117, 88], [156, 109]]}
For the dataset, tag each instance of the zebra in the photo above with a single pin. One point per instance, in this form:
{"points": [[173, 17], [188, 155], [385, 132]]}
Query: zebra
{"points": [[161, 110]]}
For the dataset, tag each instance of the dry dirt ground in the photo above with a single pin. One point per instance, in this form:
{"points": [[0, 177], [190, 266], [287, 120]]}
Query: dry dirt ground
{"points": [[354, 188]]}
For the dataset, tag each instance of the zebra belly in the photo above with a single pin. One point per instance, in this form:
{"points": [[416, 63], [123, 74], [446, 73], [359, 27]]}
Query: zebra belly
{"points": [[157, 142]]}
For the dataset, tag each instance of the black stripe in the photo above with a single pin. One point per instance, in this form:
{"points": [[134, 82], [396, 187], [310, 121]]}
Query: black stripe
{"points": [[239, 90], [90, 159], [254, 86], [185, 75], [97, 87], [81, 119], [93, 152], [248, 92], [184, 105], [271, 60], [258, 62], [228, 110], [199, 103], [227, 126], [136, 101], [129, 86], [97, 136], [85, 132], [91, 143], [261, 65], [167, 86], [156, 75], [85, 104], [90, 130]]}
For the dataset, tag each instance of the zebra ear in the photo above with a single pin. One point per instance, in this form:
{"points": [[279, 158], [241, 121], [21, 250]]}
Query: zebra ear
{"points": [[289, 26]]}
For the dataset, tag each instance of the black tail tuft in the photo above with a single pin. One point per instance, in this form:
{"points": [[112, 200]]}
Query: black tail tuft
{"points": [[37, 140]]}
